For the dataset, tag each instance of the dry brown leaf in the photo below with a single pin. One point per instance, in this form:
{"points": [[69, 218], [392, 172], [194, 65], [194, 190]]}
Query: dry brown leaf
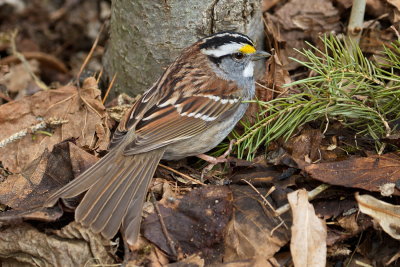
{"points": [[387, 215], [254, 232], [379, 249], [73, 245], [277, 75], [306, 145], [195, 223], [82, 108], [308, 243], [395, 3], [369, 173], [25, 192], [257, 262], [44, 175], [18, 78], [300, 20], [29, 189], [192, 261], [144, 253], [309, 15]]}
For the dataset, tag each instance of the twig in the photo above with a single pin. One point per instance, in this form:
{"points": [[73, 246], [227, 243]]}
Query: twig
{"points": [[85, 62], [277, 227], [354, 252], [311, 195], [26, 64], [396, 32], [170, 242], [266, 88], [46, 59], [50, 123], [181, 174], [266, 202], [109, 87], [100, 75], [356, 21]]}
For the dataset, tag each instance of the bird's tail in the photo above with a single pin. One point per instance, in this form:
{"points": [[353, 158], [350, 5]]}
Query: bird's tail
{"points": [[116, 187]]}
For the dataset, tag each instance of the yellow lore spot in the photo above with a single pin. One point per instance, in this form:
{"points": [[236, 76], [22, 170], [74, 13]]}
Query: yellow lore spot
{"points": [[247, 49]]}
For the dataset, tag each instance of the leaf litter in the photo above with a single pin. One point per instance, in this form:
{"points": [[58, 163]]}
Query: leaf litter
{"points": [[195, 225]]}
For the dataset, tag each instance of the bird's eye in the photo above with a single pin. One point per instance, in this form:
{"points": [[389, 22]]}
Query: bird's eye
{"points": [[238, 56]]}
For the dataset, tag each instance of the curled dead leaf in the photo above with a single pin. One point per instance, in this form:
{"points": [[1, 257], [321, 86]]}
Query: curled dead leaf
{"points": [[387, 215]]}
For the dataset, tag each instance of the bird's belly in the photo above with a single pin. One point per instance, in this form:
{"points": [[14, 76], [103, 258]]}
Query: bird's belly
{"points": [[206, 140]]}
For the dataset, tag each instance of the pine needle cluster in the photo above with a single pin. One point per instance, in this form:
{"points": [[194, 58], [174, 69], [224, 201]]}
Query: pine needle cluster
{"points": [[345, 86]]}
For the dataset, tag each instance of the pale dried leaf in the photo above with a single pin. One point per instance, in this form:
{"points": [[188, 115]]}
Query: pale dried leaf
{"points": [[308, 243], [387, 215]]}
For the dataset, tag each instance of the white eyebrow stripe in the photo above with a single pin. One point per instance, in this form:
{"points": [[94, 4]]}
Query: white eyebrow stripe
{"points": [[223, 50]]}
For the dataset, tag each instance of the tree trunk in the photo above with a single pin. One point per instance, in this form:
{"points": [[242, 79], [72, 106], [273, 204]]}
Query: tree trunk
{"points": [[147, 35]]}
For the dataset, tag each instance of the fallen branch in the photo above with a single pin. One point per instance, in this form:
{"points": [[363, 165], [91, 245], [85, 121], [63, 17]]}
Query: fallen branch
{"points": [[311, 195]]}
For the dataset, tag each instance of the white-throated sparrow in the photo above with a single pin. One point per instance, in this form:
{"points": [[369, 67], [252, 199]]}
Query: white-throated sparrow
{"points": [[188, 111]]}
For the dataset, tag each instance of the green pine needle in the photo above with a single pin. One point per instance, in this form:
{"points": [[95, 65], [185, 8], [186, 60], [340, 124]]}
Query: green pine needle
{"points": [[346, 87]]}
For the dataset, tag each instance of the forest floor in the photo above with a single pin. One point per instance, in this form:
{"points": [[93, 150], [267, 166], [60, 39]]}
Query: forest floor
{"points": [[323, 195]]}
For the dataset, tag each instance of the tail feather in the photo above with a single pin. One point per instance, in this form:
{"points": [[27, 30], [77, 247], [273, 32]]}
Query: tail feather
{"points": [[135, 191], [131, 222], [116, 186], [119, 200], [81, 183], [101, 192]]}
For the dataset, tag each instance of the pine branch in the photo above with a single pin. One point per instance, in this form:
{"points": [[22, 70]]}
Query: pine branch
{"points": [[347, 87]]}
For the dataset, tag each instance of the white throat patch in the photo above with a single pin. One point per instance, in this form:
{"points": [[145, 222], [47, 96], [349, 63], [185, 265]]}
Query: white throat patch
{"points": [[248, 71], [223, 50]]}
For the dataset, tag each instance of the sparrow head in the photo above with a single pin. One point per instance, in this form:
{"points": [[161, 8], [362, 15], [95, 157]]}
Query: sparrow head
{"points": [[231, 55]]}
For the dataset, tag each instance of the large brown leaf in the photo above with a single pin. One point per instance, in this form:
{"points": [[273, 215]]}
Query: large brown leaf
{"points": [[25, 192], [195, 223], [254, 233], [82, 108], [369, 173]]}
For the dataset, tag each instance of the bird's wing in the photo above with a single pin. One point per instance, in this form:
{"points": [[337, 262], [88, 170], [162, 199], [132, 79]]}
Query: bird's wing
{"points": [[163, 117]]}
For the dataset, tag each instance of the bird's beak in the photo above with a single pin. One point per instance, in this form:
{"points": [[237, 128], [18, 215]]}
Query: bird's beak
{"points": [[260, 55]]}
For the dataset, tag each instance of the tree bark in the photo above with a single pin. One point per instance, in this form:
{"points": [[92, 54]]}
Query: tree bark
{"points": [[147, 35]]}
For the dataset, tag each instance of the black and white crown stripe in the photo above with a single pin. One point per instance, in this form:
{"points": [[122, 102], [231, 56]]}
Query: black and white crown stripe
{"points": [[224, 43], [224, 38]]}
